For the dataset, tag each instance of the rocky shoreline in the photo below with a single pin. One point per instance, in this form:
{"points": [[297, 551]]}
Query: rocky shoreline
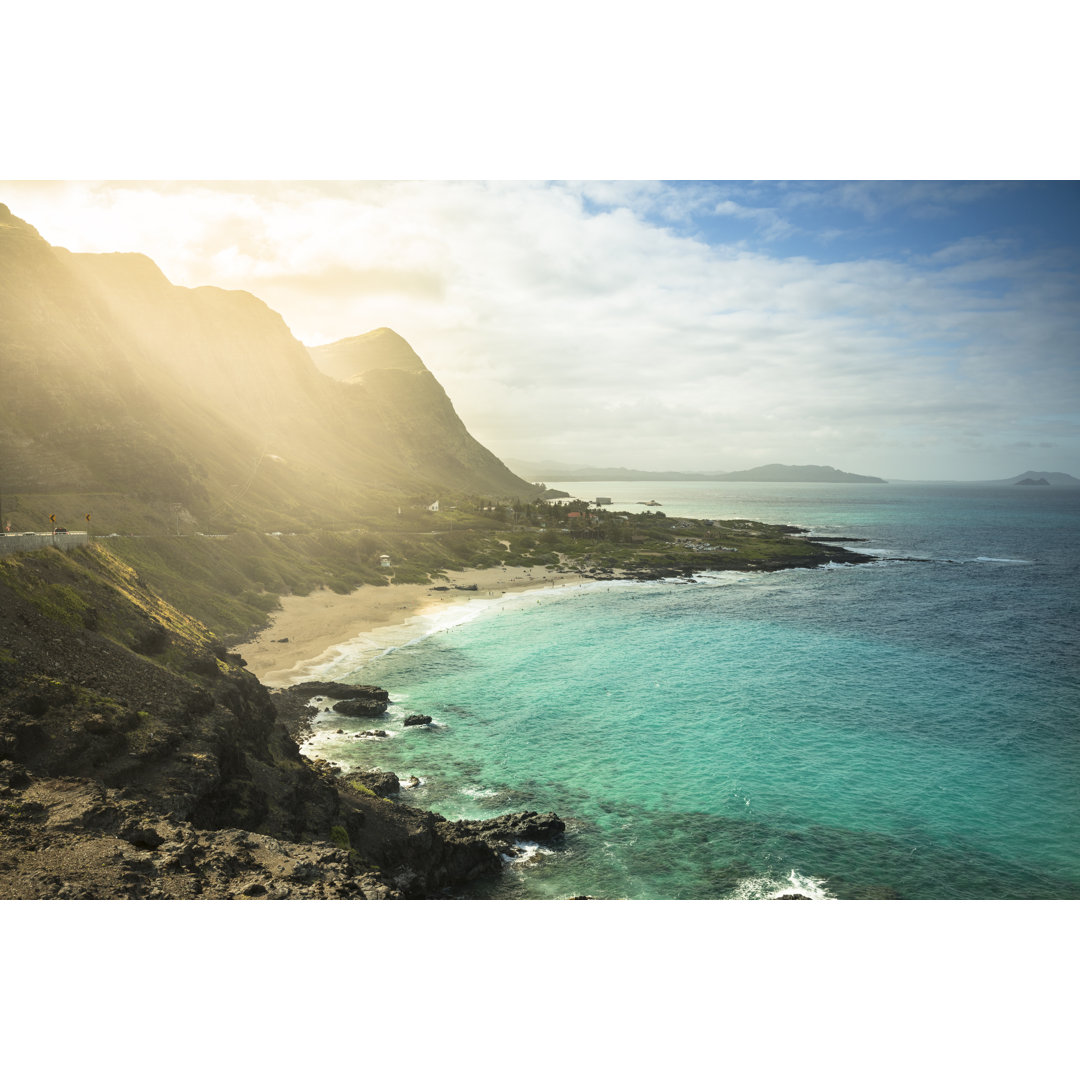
{"points": [[824, 552], [139, 760]]}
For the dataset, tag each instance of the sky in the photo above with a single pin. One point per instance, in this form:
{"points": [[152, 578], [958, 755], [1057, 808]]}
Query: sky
{"points": [[906, 329]]}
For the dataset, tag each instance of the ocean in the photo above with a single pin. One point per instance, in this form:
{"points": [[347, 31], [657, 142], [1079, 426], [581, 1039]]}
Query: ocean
{"points": [[907, 729]]}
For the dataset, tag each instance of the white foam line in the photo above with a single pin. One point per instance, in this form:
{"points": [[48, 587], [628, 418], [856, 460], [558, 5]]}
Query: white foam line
{"points": [[349, 656]]}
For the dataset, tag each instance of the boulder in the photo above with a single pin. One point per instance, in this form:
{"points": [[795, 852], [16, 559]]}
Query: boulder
{"points": [[361, 706], [382, 783], [416, 720], [339, 691]]}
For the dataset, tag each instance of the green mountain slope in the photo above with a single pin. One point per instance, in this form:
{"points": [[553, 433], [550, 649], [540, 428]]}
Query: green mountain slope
{"points": [[431, 439], [201, 402]]}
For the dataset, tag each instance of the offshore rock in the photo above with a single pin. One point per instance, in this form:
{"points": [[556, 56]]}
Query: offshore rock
{"points": [[361, 706], [416, 720], [338, 691]]}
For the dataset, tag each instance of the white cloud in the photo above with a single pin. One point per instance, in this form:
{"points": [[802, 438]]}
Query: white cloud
{"points": [[566, 331], [769, 223]]}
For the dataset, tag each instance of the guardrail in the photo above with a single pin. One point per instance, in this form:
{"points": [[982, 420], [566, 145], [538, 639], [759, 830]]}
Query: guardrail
{"points": [[13, 542]]}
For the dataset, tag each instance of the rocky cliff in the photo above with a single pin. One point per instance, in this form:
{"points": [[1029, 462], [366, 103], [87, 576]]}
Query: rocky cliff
{"points": [[139, 760]]}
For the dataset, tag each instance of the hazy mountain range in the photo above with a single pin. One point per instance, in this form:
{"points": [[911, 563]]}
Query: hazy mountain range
{"points": [[117, 381], [548, 471], [817, 474]]}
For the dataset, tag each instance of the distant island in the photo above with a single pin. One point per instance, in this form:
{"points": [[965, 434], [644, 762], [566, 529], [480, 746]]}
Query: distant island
{"points": [[813, 474], [808, 474], [1040, 479]]}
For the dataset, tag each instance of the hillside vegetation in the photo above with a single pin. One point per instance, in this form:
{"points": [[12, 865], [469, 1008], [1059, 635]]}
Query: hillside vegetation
{"points": [[140, 401]]}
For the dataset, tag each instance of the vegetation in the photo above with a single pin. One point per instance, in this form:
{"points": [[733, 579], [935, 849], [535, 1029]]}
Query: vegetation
{"points": [[232, 583], [339, 837]]}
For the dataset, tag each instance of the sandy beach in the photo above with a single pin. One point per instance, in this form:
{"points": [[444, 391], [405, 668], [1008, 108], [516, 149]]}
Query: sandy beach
{"points": [[308, 627]]}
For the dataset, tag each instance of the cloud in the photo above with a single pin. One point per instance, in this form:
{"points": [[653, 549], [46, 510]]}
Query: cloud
{"points": [[769, 223], [575, 321]]}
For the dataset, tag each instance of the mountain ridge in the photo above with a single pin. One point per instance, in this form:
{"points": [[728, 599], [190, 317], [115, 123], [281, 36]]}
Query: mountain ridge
{"points": [[118, 381], [762, 473], [350, 358]]}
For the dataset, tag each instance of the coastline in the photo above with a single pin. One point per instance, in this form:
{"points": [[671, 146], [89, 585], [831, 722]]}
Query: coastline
{"points": [[307, 630]]}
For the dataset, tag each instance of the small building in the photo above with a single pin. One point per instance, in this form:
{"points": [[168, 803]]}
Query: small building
{"points": [[384, 560], [574, 514]]}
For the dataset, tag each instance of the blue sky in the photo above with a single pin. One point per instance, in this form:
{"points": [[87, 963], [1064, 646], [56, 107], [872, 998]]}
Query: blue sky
{"points": [[832, 221], [913, 330]]}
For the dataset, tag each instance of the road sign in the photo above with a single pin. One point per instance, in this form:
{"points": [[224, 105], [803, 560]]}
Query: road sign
{"points": [[52, 518]]}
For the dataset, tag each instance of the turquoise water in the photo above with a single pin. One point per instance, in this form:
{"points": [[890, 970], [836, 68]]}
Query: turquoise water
{"points": [[902, 729]]}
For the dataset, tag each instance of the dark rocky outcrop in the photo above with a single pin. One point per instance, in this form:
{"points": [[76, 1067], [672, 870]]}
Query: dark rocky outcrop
{"points": [[381, 783], [502, 832], [337, 691], [422, 854], [360, 706], [416, 720]]}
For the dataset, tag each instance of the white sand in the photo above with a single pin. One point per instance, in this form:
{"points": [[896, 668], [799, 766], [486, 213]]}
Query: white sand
{"points": [[314, 624]]}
